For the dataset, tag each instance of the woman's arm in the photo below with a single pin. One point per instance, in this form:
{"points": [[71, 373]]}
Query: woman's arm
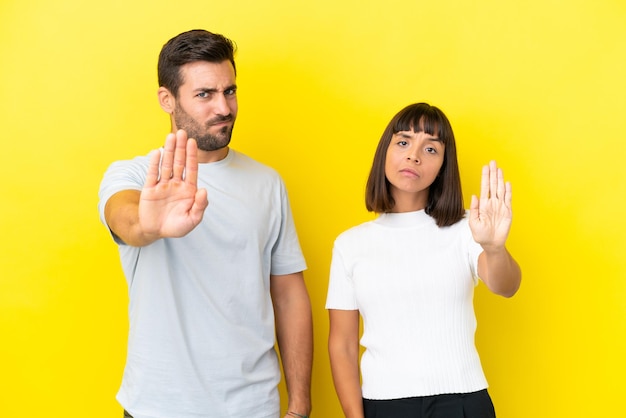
{"points": [[499, 271], [343, 347], [490, 221]]}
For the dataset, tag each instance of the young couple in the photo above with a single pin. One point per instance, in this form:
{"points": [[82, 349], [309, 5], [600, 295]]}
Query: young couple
{"points": [[214, 267]]}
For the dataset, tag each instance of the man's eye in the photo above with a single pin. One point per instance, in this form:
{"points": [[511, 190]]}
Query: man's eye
{"points": [[203, 94], [230, 92]]}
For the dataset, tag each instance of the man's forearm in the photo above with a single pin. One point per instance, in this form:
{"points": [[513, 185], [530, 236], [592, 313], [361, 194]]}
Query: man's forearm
{"points": [[294, 330], [122, 216]]}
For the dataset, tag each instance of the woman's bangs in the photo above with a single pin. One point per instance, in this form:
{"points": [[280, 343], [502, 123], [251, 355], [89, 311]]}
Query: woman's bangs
{"points": [[417, 120]]}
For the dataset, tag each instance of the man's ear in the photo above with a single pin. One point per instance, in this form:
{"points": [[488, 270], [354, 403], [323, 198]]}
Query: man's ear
{"points": [[167, 101]]}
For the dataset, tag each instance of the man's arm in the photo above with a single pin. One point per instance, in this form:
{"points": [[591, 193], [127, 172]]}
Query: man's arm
{"points": [[294, 332], [121, 213], [170, 203]]}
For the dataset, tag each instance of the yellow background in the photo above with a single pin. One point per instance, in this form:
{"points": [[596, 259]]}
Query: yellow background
{"points": [[538, 85]]}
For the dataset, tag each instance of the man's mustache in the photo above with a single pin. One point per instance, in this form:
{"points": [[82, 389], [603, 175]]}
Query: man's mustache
{"points": [[220, 119]]}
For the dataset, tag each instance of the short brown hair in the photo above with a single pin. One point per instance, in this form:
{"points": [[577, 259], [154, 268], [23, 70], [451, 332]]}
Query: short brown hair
{"points": [[445, 198], [194, 45]]}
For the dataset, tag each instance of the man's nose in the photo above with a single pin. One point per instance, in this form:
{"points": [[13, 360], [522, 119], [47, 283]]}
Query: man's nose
{"points": [[222, 106]]}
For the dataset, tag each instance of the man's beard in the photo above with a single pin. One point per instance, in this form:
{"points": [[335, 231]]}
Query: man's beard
{"points": [[206, 141]]}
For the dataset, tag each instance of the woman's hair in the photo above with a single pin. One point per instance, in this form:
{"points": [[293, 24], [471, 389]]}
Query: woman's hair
{"points": [[194, 45], [445, 198]]}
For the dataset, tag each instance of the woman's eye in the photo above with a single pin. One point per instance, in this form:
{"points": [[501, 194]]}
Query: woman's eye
{"points": [[431, 150], [403, 143]]}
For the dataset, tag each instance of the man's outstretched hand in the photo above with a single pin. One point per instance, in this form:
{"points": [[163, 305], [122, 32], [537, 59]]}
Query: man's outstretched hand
{"points": [[170, 204]]}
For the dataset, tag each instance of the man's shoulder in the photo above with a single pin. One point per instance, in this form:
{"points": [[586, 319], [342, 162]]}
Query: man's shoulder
{"points": [[140, 161], [125, 174], [243, 159]]}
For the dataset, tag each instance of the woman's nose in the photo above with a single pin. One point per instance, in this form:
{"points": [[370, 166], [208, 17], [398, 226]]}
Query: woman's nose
{"points": [[413, 157]]}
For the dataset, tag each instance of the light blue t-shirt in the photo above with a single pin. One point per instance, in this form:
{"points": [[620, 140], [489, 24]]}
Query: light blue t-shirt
{"points": [[201, 339]]}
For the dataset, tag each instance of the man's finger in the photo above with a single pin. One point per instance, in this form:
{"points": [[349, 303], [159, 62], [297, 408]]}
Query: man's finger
{"points": [[167, 159], [152, 176], [191, 163], [179, 155]]}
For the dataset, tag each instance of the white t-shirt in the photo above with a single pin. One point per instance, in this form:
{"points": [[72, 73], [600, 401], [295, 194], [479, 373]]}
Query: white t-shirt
{"points": [[413, 285], [201, 339]]}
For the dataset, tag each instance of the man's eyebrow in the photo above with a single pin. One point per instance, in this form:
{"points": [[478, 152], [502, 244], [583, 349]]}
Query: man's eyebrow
{"points": [[214, 90], [206, 90]]}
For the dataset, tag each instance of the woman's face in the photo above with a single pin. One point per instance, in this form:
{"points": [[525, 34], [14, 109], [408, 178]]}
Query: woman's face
{"points": [[413, 162]]}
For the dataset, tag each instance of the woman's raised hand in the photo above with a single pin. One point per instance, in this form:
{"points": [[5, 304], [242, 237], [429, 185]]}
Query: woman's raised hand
{"points": [[491, 214]]}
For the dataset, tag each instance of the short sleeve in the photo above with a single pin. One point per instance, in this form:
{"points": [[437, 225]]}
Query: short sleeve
{"points": [[287, 254], [341, 293], [474, 250], [121, 175]]}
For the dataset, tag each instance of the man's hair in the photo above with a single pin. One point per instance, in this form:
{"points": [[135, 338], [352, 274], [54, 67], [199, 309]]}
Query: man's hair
{"points": [[445, 198], [194, 45]]}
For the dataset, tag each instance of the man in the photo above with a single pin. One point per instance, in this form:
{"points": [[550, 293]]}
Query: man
{"points": [[211, 256]]}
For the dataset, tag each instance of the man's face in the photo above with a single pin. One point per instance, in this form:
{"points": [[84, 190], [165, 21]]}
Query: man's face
{"points": [[206, 106]]}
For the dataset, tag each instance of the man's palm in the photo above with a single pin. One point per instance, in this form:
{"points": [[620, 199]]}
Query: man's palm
{"points": [[171, 205]]}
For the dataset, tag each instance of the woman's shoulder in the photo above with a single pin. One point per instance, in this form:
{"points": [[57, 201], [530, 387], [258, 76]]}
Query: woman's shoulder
{"points": [[357, 233]]}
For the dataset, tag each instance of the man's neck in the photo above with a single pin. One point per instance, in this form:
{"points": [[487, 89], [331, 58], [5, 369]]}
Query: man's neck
{"points": [[212, 156]]}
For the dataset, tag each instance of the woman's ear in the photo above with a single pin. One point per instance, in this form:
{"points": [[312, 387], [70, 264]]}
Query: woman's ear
{"points": [[167, 101]]}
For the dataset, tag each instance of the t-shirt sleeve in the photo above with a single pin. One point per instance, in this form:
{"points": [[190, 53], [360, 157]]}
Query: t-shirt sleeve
{"points": [[287, 257], [121, 175], [474, 250], [341, 292]]}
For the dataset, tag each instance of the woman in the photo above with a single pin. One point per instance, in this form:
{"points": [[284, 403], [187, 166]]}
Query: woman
{"points": [[410, 276]]}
